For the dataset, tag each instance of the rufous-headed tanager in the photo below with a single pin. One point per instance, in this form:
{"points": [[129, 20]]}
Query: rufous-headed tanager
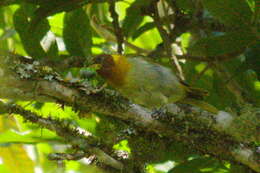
{"points": [[148, 83]]}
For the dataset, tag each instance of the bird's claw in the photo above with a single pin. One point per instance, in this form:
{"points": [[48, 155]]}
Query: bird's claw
{"points": [[158, 114]]}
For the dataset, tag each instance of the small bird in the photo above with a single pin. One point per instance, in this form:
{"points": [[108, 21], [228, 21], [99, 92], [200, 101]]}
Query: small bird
{"points": [[148, 83]]}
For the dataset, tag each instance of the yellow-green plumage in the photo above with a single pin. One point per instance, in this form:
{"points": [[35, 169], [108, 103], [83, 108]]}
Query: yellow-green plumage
{"points": [[151, 84], [147, 83]]}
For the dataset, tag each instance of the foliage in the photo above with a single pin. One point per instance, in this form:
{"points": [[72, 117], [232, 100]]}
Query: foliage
{"points": [[218, 41]]}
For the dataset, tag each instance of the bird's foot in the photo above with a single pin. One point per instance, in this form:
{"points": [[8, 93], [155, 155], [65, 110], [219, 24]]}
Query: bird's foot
{"points": [[165, 113], [159, 114]]}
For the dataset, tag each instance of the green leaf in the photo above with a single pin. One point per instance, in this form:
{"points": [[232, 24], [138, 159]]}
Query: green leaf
{"points": [[186, 5], [38, 105], [11, 136], [253, 60], [8, 2], [56, 23], [122, 145], [30, 38], [185, 41], [247, 74], [219, 45], [178, 152], [3, 32], [196, 165], [248, 81], [230, 12], [238, 169], [2, 19], [4, 169], [143, 29], [133, 17], [7, 34], [49, 7], [219, 95], [16, 159], [250, 65], [77, 33]]}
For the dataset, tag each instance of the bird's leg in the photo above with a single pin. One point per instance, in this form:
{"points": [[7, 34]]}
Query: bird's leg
{"points": [[166, 112], [159, 113]]}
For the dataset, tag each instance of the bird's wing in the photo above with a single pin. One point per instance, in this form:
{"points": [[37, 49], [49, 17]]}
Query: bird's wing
{"points": [[155, 80]]}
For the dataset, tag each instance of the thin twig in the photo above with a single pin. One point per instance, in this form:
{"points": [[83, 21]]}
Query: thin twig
{"points": [[117, 29], [198, 76], [193, 58], [71, 134], [67, 156], [167, 41], [108, 34], [232, 86], [166, 10]]}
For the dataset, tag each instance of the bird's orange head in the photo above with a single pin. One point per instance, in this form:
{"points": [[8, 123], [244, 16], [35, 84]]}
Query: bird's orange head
{"points": [[113, 68]]}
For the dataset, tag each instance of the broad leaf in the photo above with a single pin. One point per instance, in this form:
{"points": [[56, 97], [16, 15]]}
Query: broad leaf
{"points": [[77, 33], [133, 17], [143, 29], [11, 136], [253, 60], [197, 165], [14, 157], [30, 37], [50, 7], [230, 12], [219, 45], [186, 5]]}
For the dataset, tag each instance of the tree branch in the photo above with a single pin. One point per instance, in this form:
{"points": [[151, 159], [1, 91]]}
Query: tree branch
{"points": [[117, 29], [167, 41], [222, 134], [71, 134]]}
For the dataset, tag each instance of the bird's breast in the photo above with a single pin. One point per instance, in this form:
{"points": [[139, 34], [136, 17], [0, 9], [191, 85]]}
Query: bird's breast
{"points": [[151, 85]]}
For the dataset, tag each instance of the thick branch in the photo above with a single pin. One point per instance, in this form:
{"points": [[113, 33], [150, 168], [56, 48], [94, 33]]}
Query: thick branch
{"points": [[70, 134], [184, 123]]}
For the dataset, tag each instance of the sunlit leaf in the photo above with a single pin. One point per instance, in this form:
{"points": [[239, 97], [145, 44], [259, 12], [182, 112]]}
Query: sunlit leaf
{"points": [[198, 165], [14, 157], [133, 17], [56, 23], [143, 29], [122, 145], [12, 136], [4, 169]]}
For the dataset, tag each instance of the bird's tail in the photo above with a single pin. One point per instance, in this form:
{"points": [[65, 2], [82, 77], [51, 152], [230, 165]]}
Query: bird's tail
{"points": [[196, 93], [195, 97], [201, 104]]}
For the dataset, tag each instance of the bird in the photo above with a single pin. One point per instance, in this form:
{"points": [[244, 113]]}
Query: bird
{"points": [[148, 83]]}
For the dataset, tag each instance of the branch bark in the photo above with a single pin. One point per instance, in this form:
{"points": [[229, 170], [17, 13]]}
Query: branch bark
{"points": [[225, 135]]}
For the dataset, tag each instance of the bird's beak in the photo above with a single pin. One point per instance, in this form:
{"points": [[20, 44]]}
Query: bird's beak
{"points": [[95, 66]]}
